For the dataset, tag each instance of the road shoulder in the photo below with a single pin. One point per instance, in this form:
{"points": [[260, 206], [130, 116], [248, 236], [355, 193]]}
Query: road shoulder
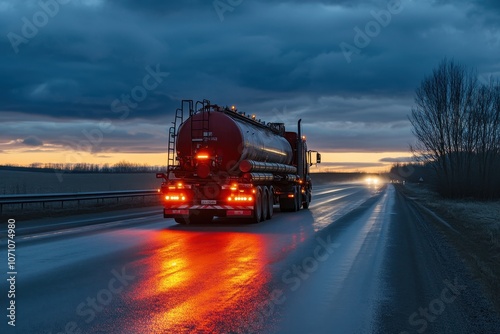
{"points": [[473, 227]]}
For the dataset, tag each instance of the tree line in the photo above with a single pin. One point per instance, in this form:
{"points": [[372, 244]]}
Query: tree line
{"points": [[456, 122], [119, 167]]}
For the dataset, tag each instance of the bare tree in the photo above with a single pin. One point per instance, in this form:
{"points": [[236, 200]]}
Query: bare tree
{"points": [[456, 122]]}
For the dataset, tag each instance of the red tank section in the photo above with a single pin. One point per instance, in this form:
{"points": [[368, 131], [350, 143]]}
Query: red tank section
{"points": [[227, 140]]}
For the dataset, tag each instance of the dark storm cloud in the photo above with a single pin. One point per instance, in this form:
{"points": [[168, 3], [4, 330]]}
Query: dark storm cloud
{"points": [[397, 159], [32, 141], [279, 59], [332, 166], [134, 136]]}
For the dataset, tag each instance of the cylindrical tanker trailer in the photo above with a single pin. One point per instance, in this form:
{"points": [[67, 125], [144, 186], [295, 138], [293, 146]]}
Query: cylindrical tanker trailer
{"points": [[232, 140], [223, 163]]}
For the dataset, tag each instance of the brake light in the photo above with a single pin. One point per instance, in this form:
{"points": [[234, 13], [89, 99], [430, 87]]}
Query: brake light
{"points": [[240, 199], [175, 197], [202, 156]]}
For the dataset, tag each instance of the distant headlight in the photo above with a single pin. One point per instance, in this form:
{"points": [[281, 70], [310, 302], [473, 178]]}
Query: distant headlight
{"points": [[372, 180]]}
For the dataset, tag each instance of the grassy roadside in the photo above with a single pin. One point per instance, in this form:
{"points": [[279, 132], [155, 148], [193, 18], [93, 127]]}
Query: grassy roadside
{"points": [[478, 224]]}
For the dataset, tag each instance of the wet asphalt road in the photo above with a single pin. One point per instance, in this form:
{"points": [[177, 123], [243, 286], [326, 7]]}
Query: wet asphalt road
{"points": [[360, 260]]}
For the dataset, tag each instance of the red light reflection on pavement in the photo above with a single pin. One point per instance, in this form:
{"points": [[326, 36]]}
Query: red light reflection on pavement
{"points": [[195, 282]]}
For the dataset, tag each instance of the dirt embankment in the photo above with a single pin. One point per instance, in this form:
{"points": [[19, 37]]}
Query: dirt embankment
{"points": [[478, 227]]}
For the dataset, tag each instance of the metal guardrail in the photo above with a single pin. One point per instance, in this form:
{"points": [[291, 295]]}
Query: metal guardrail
{"points": [[65, 197]]}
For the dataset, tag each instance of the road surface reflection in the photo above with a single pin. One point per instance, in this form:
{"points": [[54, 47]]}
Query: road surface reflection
{"points": [[198, 282]]}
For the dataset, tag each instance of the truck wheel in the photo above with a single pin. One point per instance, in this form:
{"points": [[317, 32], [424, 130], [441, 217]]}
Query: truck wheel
{"points": [[265, 203], [270, 208], [307, 200], [257, 207], [297, 201], [180, 221]]}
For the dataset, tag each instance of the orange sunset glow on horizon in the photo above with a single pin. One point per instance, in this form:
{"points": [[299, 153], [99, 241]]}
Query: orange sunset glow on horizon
{"points": [[368, 162]]}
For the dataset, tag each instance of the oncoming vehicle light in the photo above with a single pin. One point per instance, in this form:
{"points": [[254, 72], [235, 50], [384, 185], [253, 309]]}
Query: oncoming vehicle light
{"points": [[372, 180]]}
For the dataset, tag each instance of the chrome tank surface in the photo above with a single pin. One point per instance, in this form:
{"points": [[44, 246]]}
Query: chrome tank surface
{"points": [[232, 140]]}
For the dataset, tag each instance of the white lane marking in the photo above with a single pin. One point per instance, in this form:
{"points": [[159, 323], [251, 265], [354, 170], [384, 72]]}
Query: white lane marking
{"points": [[317, 193], [76, 230]]}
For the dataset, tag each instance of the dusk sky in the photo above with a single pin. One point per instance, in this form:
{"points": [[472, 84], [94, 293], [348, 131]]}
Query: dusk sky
{"points": [[99, 81]]}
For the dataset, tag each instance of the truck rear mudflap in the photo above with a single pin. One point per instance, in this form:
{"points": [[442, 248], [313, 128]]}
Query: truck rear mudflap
{"points": [[213, 210]]}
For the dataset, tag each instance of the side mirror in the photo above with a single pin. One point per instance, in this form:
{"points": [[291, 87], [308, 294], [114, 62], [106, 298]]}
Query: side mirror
{"points": [[318, 158], [160, 175]]}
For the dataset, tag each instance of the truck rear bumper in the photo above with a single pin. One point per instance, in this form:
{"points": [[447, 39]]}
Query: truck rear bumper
{"points": [[214, 210]]}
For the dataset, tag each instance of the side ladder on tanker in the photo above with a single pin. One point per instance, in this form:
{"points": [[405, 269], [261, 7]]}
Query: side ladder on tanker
{"points": [[172, 133]]}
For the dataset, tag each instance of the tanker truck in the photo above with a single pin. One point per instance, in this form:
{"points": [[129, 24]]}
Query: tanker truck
{"points": [[226, 163]]}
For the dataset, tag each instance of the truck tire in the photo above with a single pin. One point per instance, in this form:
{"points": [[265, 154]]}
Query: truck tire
{"points": [[180, 221], [297, 202], [265, 203], [307, 200], [257, 207], [270, 205]]}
